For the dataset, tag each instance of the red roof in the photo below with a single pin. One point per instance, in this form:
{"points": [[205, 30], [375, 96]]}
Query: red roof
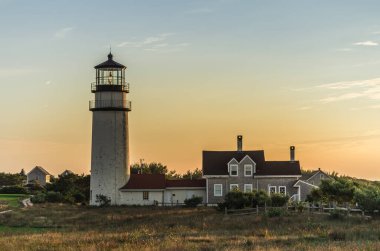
{"points": [[158, 181], [145, 181], [186, 183]]}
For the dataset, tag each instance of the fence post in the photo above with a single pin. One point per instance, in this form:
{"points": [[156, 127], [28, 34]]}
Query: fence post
{"points": [[265, 207], [225, 210], [257, 209]]}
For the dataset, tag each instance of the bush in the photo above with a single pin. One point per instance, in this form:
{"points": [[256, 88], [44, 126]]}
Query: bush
{"points": [[13, 190], [103, 200], [275, 212], [38, 198], [53, 197], [236, 200], [259, 198], [193, 202], [279, 200], [337, 215]]}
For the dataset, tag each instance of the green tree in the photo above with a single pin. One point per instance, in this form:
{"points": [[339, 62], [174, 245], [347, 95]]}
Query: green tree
{"points": [[196, 174]]}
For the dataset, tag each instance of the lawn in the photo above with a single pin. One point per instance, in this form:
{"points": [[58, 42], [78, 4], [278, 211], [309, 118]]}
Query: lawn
{"points": [[11, 200], [65, 227]]}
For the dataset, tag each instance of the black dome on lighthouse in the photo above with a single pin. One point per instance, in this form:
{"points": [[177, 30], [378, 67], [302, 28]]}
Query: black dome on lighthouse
{"points": [[110, 64]]}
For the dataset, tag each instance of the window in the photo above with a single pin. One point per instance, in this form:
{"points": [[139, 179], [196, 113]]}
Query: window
{"points": [[234, 170], [248, 188], [322, 177], [272, 189], [145, 195], [234, 187], [218, 190], [248, 170], [282, 190]]}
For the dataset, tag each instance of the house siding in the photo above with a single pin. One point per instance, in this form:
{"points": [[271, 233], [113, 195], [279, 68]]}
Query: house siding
{"points": [[316, 179], [305, 189], [178, 196], [264, 183], [136, 197], [37, 175]]}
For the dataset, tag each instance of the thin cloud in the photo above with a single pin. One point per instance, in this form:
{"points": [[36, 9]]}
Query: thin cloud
{"points": [[344, 49], [367, 43], [159, 43], [348, 90], [48, 82], [62, 33]]}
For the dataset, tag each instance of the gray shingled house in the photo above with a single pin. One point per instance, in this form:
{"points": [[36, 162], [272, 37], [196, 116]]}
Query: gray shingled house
{"points": [[38, 175], [225, 171]]}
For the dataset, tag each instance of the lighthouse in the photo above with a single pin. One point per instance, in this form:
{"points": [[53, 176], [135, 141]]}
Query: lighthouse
{"points": [[110, 143]]}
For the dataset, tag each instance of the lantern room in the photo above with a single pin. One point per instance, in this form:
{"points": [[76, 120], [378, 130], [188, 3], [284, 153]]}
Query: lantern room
{"points": [[110, 76]]}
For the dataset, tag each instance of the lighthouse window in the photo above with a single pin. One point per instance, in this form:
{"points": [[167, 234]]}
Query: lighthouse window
{"points": [[145, 195]]}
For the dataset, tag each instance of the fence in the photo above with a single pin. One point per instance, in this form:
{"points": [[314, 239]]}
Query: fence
{"points": [[293, 208]]}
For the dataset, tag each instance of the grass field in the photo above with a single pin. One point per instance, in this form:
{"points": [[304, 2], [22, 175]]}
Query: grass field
{"points": [[64, 227], [11, 200]]}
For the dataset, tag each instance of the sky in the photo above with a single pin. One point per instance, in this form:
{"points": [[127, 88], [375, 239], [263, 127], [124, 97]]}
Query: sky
{"points": [[281, 73]]}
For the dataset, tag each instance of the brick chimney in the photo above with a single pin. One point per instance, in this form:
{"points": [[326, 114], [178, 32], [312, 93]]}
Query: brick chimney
{"points": [[239, 143]]}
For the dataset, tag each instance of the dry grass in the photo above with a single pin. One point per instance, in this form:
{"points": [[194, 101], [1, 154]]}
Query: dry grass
{"points": [[63, 227]]}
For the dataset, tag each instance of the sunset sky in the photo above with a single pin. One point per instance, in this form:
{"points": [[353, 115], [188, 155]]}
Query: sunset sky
{"points": [[281, 73]]}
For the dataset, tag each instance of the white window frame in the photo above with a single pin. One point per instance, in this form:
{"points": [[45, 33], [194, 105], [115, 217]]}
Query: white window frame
{"points": [[221, 190], [248, 185], [279, 189], [237, 170], [321, 176], [246, 166], [269, 188], [234, 185]]}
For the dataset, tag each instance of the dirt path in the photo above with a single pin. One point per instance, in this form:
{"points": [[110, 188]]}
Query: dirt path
{"points": [[25, 203]]}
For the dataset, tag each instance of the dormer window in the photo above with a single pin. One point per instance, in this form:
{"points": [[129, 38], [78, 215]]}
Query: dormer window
{"points": [[248, 170], [234, 170]]}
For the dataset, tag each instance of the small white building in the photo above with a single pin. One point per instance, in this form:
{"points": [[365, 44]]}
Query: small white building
{"points": [[154, 189], [38, 175]]}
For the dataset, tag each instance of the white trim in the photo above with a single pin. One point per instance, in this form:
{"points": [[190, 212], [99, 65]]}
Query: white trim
{"points": [[247, 156], [248, 165], [221, 190], [215, 176], [237, 162], [319, 171], [237, 170], [141, 190], [307, 183], [278, 176], [234, 161], [269, 187], [185, 188], [279, 189], [248, 185], [234, 185]]}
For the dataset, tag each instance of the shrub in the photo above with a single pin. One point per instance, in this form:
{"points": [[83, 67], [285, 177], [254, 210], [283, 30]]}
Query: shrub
{"points": [[221, 206], [13, 190], [279, 200], [103, 200], [236, 200], [193, 202], [275, 212], [38, 198], [337, 215], [53, 197], [259, 198]]}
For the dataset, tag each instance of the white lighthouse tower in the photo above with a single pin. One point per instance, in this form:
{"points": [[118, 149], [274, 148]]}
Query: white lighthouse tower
{"points": [[110, 149]]}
